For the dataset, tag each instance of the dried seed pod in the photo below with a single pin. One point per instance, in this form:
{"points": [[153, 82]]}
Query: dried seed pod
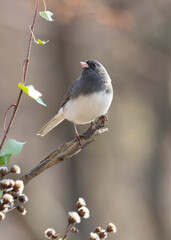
{"points": [[11, 183], [111, 228], [74, 230], [51, 233], [74, 217], [94, 236], [5, 183], [98, 229], [18, 186], [80, 203], [22, 210], [3, 170], [23, 198], [103, 234], [84, 212], [7, 198], [15, 169]]}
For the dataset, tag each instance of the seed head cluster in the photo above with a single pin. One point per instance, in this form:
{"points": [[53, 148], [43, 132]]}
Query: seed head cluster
{"points": [[100, 233], [74, 217], [82, 212], [11, 192]]}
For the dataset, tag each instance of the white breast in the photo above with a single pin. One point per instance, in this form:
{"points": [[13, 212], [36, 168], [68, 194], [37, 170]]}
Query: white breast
{"points": [[86, 108]]}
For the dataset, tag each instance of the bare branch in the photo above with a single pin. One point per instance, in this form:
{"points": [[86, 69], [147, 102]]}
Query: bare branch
{"points": [[67, 150], [24, 77]]}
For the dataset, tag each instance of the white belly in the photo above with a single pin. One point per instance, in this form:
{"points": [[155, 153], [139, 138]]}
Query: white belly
{"points": [[86, 108]]}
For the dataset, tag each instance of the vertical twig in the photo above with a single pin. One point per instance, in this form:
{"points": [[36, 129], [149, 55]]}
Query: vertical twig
{"points": [[24, 76]]}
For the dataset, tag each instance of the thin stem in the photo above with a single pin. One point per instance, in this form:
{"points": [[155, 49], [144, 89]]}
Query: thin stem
{"points": [[30, 41], [5, 116], [68, 229], [2, 176], [23, 69], [32, 34], [44, 5], [24, 75]]}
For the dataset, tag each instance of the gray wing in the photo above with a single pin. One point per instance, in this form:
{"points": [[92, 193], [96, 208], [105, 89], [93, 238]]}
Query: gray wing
{"points": [[71, 92], [66, 98]]}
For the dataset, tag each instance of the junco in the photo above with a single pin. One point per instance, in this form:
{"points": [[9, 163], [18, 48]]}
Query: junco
{"points": [[88, 97]]}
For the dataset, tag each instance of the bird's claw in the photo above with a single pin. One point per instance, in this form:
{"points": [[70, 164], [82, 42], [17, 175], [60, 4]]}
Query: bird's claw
{"points": [[79, 137], [104, 119]]}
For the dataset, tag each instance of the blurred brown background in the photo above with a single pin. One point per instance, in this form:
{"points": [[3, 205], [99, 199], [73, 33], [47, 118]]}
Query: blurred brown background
{"points": [[125, 175]]}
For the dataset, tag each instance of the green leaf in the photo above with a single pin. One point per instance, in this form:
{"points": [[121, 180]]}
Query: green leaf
{"points": [[38, 41], [5, 159], [46, 15], [32, 92], [12, 147]]}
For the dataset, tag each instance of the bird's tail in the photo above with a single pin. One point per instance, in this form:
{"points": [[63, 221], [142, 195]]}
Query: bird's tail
{"points": [[51, 124]]}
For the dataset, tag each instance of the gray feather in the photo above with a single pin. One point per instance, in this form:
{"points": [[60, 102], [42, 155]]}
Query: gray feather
{"points": [[58, 118]]}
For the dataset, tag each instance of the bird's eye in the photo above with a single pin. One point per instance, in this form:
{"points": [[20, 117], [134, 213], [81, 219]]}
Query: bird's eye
{"points": [[94, 64]]}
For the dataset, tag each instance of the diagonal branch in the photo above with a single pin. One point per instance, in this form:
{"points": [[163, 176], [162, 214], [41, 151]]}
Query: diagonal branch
{"points": [[67, 150]]}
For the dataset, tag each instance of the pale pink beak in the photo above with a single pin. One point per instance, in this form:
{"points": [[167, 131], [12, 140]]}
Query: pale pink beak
{"points": [[84, 65]]}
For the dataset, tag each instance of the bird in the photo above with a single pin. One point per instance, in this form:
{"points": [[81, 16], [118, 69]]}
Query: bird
{"points": [[87, 98]]}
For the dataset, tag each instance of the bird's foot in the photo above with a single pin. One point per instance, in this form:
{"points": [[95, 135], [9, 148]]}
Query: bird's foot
{"points": [[79, 137], [104, 119], [91, 124]]}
